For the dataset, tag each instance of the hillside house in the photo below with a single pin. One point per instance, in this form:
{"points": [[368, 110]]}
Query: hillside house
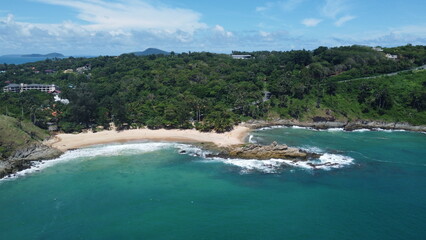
{"points": [[390, 56], [81, 70]]}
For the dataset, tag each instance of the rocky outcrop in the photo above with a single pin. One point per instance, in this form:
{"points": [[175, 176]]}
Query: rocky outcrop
{"points": [[319, 123], [35, 152], [383, 125], [261, 152], [24, 157], [292, 122]]}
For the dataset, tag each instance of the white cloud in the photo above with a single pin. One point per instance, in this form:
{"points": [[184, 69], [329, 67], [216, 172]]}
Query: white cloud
{"points": [[221, 31], [109, 27], [311, 22], [262, 8], [343, 20], [116, 28], [414, 34], [274, 37], [288, 5], [417, 30], [264, 34], [333, 8], [132, 15]]}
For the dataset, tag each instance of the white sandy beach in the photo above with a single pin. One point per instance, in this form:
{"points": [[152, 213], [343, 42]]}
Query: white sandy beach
{"points": [[65, 142]]}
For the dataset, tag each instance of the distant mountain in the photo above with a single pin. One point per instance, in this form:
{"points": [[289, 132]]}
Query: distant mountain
{"points": [[151, 51], [50, 55]]}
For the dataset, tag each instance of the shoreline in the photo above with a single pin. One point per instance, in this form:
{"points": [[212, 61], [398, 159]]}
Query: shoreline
{"points": [[347, 126], [64, 142]]}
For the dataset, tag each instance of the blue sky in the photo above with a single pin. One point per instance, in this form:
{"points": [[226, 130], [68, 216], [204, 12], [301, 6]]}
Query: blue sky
{"points": [[111, 27]]}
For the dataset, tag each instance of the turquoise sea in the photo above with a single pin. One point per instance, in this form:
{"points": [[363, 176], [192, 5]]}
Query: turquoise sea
{"points": [[143, 190]]}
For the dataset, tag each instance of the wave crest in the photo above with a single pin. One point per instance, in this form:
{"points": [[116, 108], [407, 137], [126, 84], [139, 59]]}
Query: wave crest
{"points": [[93, 152], [326, 162]]}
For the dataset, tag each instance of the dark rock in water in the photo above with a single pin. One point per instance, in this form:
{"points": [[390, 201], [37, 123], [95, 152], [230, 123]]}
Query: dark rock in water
{"points": [[261, 152], [24, 157], [182, 152]]}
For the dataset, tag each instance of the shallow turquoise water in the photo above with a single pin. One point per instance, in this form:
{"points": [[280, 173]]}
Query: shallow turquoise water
{"points": [[149, 191]]}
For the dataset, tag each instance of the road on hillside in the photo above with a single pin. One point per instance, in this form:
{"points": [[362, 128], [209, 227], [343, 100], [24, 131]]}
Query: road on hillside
{"points": [[383, 75]]}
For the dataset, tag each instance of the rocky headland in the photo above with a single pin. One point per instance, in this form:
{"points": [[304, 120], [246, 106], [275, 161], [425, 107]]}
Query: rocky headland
{"points": [[321, 123], [23, 158]]}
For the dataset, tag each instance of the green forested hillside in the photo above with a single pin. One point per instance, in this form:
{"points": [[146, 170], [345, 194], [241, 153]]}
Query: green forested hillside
{"points": [[214, 91]]}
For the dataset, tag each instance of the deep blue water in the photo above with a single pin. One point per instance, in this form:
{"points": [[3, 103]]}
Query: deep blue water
{"points": [[149, 191], [20, 60]]}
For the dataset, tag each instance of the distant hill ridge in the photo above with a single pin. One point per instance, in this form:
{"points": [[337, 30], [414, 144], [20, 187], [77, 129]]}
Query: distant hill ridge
{"points": [[49, 55], [151, 51]]}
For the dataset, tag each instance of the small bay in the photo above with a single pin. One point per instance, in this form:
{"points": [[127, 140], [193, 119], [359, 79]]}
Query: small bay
{"points": [[144, 190]]}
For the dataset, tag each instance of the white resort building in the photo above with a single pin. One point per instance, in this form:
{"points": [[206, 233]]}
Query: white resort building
{"points": [[241, 56], [17, 88]]}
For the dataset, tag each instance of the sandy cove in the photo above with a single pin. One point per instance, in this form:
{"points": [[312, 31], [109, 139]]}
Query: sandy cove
{"points": [[65, 142]]}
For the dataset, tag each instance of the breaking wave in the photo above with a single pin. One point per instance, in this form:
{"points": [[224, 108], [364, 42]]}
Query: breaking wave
{"points": [[388, 130], [326, 162], [362, 130], [97, 151], [312, 149], [251, 140], [333, 129], [272, 127]]}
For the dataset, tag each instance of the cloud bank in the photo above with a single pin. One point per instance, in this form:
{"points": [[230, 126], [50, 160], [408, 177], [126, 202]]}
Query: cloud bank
{"points": [[111, 27]]}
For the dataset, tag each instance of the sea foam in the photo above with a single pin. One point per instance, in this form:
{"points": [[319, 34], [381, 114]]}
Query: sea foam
{"points": [[326, 162], [312, 149], [252, 165], [191, 150], [272, 127], [389, 130], [334, 130], [251, 140], [96, 151], [299, 127], [362, 130]]}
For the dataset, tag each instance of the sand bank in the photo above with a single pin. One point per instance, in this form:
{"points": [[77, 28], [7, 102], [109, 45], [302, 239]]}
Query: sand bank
{"points": [[65, 142]]}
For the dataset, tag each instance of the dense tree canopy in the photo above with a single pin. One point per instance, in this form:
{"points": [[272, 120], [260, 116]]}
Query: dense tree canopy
{"points": [[213, 91]]}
